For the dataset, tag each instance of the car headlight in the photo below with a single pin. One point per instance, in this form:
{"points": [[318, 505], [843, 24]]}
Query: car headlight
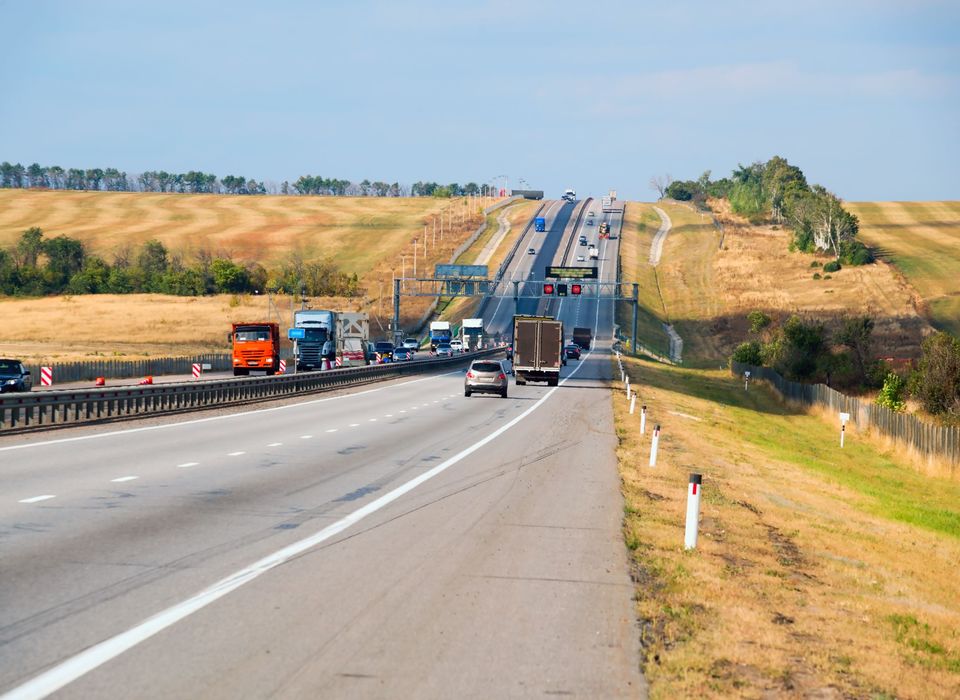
{"points": [[11, 382]]}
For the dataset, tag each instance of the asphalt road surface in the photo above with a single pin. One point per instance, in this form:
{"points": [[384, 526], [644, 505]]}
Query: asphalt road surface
{"points": [[397, 541]]}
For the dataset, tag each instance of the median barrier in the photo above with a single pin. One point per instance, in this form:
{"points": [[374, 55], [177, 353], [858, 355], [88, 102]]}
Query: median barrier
{"points": [[50, 408]]}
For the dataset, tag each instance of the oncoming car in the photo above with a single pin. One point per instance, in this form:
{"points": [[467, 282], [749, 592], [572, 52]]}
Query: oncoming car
{"points": [[14, 376], [444, 350], [411, 344], [456, 345], [485, 377]]}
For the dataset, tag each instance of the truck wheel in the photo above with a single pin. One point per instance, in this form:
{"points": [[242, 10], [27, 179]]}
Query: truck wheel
{"points": [[553, 381], [271, 372], [521, 382]]}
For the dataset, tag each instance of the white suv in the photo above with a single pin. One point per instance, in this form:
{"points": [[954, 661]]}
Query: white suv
{"points": [[456, 345]]}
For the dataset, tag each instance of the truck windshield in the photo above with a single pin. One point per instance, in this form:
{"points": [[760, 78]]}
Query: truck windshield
{"points": [[249, 334], [315, 335]]}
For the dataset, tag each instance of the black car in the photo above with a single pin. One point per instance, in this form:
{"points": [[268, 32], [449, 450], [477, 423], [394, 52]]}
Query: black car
{"points": [[572, 352], [14, 376], [384, 350]]}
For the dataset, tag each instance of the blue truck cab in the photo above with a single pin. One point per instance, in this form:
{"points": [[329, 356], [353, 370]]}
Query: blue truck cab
{"points": [[540, 224]]}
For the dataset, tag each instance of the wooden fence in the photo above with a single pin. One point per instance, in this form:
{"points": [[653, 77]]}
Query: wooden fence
{"points": [[928, 439]]}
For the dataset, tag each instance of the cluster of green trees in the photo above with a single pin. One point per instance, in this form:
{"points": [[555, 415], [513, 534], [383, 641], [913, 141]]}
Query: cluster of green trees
{"points": [[804, 350], [15, 175], [454, 189], [778, 191], [38, 266]]}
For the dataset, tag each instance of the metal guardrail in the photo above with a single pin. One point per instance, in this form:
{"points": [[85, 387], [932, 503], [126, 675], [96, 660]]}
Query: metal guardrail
{"points": [[55, 408]]}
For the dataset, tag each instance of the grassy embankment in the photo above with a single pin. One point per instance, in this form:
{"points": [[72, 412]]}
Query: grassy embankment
{"points": [[640, 224], [922, 240], [819, 572], [361, 234], [707, 291]]}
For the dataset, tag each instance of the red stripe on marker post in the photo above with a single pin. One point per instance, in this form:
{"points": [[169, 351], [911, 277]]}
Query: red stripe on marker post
{"points": [[196, 369], [46, 376]]}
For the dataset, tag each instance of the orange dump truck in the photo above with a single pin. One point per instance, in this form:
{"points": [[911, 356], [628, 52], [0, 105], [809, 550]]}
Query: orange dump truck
{"points": [[255, 346]]}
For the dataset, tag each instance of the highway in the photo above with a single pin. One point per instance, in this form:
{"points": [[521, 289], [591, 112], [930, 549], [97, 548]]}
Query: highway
{"points": [[394, 541]]}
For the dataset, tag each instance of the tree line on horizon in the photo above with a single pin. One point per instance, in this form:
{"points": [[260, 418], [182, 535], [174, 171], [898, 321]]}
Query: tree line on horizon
{"points": [[36, 176], [39, 266], [778, 192]]}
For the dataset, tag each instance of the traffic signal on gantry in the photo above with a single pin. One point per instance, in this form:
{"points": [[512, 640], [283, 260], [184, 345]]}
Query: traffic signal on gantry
{"points": [[576, 288], [548, 288], [561, 290]]}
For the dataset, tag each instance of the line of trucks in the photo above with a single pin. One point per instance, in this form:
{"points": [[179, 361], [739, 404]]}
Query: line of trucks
{"points": [[327, 339]]}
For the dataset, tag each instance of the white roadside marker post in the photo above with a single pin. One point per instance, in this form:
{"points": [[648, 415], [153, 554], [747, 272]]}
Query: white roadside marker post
{"points": [[643, 420], [844, 417], [746, 380], [653, 446], [693, 512]]}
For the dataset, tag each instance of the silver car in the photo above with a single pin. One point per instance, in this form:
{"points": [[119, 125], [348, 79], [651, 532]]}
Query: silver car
{"points": [[485, 377]]}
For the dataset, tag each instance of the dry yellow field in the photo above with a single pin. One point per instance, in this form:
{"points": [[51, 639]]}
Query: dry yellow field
{"points": [[922, 239], [818, 572], [133, 326], [356, 232], [707, 291], [368, 235]]}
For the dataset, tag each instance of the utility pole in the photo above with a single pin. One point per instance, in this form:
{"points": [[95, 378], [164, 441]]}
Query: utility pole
{"points": [[414, 257], [396, 310], [636, 299]]}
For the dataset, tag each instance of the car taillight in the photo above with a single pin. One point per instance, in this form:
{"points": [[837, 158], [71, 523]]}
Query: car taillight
{"points": [[501, 376], [470, 375]]}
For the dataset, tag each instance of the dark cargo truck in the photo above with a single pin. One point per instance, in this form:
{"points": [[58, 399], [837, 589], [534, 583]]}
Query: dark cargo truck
{"points": [[537, 349], [583, 337]]}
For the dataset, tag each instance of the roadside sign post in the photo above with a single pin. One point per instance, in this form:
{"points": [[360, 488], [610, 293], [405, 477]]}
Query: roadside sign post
{"points": [[844, 417], [693, 512], [654, 444], [746, 380], [643, 420], [295, 334]]}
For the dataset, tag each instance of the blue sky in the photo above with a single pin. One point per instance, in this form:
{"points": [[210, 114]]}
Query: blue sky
{"points": [[863, 96]]}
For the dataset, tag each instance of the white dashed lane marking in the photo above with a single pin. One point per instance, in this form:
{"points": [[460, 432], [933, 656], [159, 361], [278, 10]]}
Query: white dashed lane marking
{"points": [[354, 425], [236, 454], [187, 464], [37, 499], [389, 415], [274, 444], [124, 478], [333, 430], [306, 437]]}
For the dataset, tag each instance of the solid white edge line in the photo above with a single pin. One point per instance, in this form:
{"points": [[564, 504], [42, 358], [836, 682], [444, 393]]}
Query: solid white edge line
{"points": [[209, 419], [79, 665], [37, 499]]}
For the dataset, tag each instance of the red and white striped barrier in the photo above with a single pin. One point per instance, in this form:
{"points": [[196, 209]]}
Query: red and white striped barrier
{"points": [[283, 366], [197, 370], [46, 376], [147, 380], [693, 512], [654, 444], [339, 361]]}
